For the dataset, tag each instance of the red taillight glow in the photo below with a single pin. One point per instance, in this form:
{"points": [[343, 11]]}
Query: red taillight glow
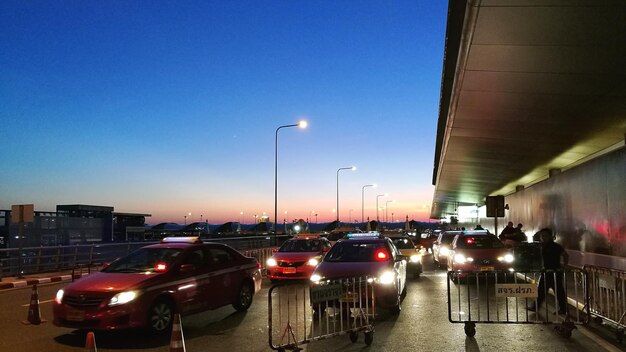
{"points": [[160, 267], [381, 255], [469, 241], [258, 264]]}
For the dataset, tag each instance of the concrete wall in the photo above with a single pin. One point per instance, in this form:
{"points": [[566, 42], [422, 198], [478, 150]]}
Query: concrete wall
{"points": [[585, 206]]}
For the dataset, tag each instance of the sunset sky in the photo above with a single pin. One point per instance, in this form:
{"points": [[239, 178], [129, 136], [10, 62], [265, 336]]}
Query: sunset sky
{"points": [[170, 107]]}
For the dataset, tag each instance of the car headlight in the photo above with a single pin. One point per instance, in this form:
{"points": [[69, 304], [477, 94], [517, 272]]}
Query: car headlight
{"points": [[122, 298], [313, 262], [271, 262], [316, 278], [444, 251], [415, 258], [387, 278], [459, 258], [59, 297], [507, 258]]}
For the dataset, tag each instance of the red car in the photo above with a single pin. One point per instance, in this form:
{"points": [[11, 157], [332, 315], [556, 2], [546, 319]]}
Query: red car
{"points": [[148, 286], [367, 254], [479, 253], [297, 258]]}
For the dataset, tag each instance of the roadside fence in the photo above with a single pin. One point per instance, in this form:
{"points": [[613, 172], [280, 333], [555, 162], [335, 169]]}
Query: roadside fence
{"points": [[302, 312], [608, 297], [493, 297]]}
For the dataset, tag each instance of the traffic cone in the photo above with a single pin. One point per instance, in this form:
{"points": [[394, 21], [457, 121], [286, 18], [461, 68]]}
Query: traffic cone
{"points": [[177, 343], [90, 343], [34, 314]]}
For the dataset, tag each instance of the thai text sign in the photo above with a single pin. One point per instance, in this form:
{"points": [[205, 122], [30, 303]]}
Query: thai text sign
{"points": [[516, 290]]}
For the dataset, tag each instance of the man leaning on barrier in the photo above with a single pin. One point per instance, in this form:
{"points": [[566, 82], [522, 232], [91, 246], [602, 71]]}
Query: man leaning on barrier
{"points": [[552, 253]]}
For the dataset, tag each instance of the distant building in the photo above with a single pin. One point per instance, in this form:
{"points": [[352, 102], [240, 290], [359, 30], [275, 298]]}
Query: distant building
{"points": [[72, 224]]}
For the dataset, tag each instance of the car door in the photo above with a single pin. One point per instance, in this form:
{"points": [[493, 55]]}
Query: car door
{"points": [[192, 290], [224, 277]]}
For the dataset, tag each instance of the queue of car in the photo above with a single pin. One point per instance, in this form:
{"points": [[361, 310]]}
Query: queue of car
{"points": [[185, 275]]}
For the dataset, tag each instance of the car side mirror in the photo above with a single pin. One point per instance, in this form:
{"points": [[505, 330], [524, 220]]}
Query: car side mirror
{"points": [[274, 250], [186, 268], [401, 257], [105, 265], [326, 249]]}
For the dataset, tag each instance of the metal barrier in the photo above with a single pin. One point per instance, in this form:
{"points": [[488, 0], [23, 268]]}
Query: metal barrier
{"points": [[299, 313], [607, 301], [518, 298], [34, 260]]}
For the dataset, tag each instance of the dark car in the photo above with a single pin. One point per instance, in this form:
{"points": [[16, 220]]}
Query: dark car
{"points": [[480, 253], [367, 254], [148, 286]]}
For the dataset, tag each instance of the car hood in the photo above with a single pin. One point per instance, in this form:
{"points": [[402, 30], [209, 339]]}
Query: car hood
{"points": [[295, 256], [335, 270], [109, 282]]}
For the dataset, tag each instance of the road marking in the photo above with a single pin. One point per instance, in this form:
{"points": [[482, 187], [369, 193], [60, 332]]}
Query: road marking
{"points": [[40, 302], [595, 338]]}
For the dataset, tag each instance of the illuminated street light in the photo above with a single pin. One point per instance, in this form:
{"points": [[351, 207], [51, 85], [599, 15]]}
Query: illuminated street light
{"points": [[301, 124], [377, 209], [353, 168], [363, 200]]}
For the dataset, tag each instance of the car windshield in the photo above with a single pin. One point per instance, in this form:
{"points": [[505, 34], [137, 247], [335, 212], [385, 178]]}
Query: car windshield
{"points": [[447, 238], [356, 252], [403, 243], [301, 246], [144, 260], [479, 242]]}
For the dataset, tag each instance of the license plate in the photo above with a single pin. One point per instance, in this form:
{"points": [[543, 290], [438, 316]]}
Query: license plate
{"points": [[73, 314], [350, 297], [289, 270], [487, 268]]}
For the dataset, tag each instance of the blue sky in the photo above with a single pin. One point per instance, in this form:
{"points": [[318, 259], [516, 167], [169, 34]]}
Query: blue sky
{"points": [[170, 108]]}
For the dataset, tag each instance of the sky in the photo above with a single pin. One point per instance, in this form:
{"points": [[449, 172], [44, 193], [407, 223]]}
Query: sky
{"points": [[170, 108]]}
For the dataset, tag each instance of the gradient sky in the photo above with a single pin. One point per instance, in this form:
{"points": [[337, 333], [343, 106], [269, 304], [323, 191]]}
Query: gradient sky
{"points": [[170, 107]]}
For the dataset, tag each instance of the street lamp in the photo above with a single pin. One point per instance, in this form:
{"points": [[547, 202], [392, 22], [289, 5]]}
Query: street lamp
{"points": [[241, 213], [362, 200], [301, 124], [186, 218], [350, 215], [386, 212], [378, 196], [353, 168]]}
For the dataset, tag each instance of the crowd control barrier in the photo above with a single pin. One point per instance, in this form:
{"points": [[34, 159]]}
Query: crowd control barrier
{"points": [[493, 297], [607, 291], [299, 313]]}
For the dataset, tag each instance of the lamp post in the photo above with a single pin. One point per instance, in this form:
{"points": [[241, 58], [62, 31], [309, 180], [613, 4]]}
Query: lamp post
{"points": [[386, 210], [341, 168], [363, 200], [350, 215], [378, 196], [301, 124], [241, 213]]}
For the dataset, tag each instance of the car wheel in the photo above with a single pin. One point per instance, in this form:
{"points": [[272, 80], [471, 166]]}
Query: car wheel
{"points": [[369, 337], [244, 298], [161, 316]]}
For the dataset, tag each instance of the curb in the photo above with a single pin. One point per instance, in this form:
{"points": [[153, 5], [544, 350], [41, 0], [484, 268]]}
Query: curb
{"points": [[31, 282]]}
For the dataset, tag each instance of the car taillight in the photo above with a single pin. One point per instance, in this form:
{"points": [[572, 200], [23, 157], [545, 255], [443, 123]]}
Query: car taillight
{"points": [[381, 255], [469, 241], [160, 267], [258, 264]]}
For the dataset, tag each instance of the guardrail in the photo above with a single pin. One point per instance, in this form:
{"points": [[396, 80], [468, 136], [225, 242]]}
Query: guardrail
{"points": [[518, 298], [299, 313], [608, 297], [34, 260]]}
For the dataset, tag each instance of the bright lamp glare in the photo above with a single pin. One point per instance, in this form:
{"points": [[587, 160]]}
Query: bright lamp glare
{"points": [[353, 168], [303, 124]]}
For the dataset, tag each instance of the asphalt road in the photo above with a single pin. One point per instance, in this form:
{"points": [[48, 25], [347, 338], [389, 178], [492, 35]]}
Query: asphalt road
{"points": [[421, 326]]}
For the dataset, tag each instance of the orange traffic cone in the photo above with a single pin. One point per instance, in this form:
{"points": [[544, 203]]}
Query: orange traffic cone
{"points": [[90, 343], [177, 343], [34, 314]]}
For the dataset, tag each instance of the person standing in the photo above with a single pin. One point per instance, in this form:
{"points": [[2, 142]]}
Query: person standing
{"points": [[508, 230], [552, 278]]}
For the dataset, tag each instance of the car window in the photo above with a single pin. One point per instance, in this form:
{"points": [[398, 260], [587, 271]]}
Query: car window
{"points": [[218, 256], [403, 243], [144, 260], [301, 246], [447, 238], [196, 258], [357, 252], [478, 242]]}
